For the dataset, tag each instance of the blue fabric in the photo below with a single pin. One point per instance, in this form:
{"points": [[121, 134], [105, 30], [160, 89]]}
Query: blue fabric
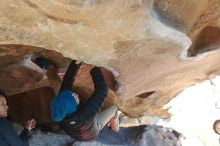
{"points": [[3, 142], [63, 105], [8, 135]]}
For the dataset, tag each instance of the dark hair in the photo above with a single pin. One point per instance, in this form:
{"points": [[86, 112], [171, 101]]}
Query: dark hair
{"points": [[2, 93], [214, 126]]}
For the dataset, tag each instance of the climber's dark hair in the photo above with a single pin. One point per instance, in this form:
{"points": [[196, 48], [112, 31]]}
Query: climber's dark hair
{"points": [[2, 93]]}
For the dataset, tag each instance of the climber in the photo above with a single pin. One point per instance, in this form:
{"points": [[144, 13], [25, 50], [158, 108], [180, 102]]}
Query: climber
{"points": [[81, 121], [8, 135]]}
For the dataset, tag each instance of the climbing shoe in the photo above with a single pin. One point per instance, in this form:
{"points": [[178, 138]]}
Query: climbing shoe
{"points": [[42, 62]]}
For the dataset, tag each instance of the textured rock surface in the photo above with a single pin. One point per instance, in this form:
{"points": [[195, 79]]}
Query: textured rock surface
{"points": [[199, 20], [150, 61]]}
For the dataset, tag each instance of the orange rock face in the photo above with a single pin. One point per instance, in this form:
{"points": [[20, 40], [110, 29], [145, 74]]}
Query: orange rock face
{"points": [[150, 50]]}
